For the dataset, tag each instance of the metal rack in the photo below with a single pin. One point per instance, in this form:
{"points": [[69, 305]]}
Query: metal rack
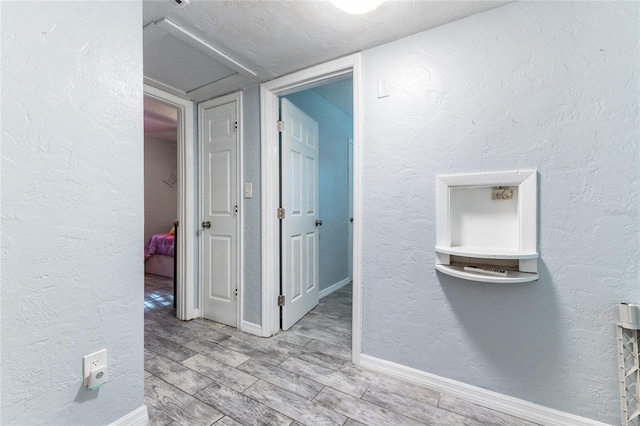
{"points": [[629, 374]]}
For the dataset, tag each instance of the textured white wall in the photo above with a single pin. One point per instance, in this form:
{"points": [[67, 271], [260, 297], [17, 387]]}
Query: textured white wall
{"points": [[160, 199], [335, 127], [252, 292], [72, 209], [551, 86]]}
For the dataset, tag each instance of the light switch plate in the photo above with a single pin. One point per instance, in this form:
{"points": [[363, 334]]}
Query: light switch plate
{"points": [[248, 190], [383, 87]]}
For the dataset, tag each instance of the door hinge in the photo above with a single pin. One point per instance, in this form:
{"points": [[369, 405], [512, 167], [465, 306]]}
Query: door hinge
{"points": [[235, 126], [280, 126], [281, 300], [280, 213]]}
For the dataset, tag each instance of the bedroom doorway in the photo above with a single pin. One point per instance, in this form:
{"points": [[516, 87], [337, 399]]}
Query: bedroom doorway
{"points": [[180, 179], [160, 204]]}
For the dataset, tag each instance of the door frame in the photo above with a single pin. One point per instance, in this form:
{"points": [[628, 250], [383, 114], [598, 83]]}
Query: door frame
{"points": [[270, 185], [350, 201], [237, 97], [185, 257]]}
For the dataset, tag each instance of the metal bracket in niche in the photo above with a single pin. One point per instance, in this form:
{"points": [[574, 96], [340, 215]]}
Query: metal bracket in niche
{"points": [[502, 192]]}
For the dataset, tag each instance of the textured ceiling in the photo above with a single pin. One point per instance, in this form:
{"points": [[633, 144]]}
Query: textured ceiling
{"points": [[274, 38]]}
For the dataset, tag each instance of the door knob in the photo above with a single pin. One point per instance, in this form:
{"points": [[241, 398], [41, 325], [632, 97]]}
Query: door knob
{"points": [[351, 219], [206, 224], [318, 223]]}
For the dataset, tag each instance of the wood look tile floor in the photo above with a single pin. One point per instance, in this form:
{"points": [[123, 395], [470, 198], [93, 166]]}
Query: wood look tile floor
{"points": [[201, 372]]}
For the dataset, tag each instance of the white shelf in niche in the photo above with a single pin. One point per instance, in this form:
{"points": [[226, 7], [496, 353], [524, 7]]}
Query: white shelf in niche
{"points": [[474, 228], [512, 276], [487, 252]]}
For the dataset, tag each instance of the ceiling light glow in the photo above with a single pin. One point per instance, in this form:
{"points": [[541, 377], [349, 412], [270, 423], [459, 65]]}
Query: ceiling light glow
{"points": [[356, 7]]}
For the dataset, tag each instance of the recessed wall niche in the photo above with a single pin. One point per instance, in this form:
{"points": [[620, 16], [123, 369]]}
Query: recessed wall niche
{"points": [[486, 226]]}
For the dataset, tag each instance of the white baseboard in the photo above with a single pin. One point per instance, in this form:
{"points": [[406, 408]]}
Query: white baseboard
{"points": [[337, 286], [138, 417], [251, 328], [483, 397]]}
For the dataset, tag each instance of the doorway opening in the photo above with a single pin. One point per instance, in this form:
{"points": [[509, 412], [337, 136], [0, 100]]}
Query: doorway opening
{"points": [[160, 205], [184, 182], [293, 86], [315, 235]]}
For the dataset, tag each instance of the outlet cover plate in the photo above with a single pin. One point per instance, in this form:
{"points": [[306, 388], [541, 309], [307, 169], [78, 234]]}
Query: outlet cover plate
{"points": [[97, 359]]}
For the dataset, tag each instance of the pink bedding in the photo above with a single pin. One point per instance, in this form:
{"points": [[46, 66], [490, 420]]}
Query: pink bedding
{"points": [[160, 244]]}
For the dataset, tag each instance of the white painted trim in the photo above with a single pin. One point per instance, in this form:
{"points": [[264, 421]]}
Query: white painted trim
{"points": [[165, 87], [186, 260], [476, 395], [204, 92], [240, 195], [488, 179], [350, 206], [269, 202], [312, 77], [358, 174], [251, 328], [138, 417], [237, 98], [334, 287], [269, 175]]}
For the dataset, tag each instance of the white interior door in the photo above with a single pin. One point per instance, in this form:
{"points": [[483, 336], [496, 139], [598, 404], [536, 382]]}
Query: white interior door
{"points": [[300, 201], [219, 232]]}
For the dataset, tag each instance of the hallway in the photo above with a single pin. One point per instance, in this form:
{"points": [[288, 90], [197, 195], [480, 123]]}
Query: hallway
{"points": [[202, 373]]}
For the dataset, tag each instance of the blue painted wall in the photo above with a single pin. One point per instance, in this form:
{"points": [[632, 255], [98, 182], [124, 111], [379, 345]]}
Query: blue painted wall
{"points": [[529, 85], [73, 210], [335, 127], [252, 290]]}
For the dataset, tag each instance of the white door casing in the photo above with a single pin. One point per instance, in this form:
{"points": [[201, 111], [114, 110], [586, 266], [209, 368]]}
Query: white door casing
{"points": [[270, 179], [300, 200], [219, 142], [350, 205]]}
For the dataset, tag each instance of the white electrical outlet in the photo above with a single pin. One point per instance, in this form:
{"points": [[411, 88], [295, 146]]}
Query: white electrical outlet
{"points": [[94, 361]]}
